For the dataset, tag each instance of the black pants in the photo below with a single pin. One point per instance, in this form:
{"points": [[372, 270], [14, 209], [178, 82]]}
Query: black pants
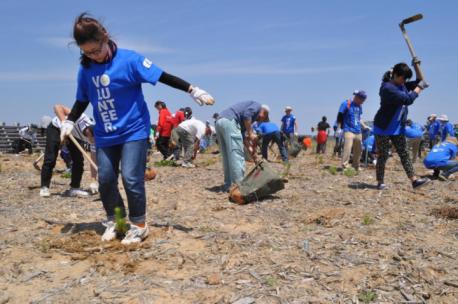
{"points": [[51, 153], [162, 145], [383, 148]]}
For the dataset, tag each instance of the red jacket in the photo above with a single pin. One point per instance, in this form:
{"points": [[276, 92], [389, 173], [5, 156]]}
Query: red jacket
{"points": [[164, 124], [178, 118]]}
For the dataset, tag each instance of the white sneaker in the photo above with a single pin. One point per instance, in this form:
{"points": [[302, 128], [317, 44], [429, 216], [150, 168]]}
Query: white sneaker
{"points": [[188, 165], [110, 232], [44, 192], [94, 188], [77, 192], [135, 235]]}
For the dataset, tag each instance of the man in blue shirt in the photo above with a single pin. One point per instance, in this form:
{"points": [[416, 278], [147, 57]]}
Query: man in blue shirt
{"points": [[349, 119], [289, 124], [414, 135], [233, 129], [442, 158], [445, 128], [433, 129], [270, 132]]}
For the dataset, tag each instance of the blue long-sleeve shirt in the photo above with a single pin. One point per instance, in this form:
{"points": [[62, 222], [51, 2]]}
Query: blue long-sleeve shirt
{"points": [[394, 101], [440, 155]]}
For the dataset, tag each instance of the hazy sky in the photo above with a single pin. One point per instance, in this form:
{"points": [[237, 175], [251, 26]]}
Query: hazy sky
{"points": [[310, 55]]}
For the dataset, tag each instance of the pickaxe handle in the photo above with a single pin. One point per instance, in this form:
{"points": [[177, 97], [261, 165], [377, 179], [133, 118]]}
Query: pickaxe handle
{"points": [[416, 65], [87, 157]]}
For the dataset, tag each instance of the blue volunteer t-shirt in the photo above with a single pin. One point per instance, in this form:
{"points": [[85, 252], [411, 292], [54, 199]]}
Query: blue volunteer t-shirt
{"points": [[115, 91], [433, 129], [414, 131], [351, 117], [288, 123], [265, 128], [440, 155], [446, 129]]}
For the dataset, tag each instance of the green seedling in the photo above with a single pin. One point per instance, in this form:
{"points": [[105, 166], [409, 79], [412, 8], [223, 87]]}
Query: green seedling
{"points": [[320, 159], [367, 296], [67, 174], [121, 225], [367, 220], [332, 170], [350, 172], [271, 281]]}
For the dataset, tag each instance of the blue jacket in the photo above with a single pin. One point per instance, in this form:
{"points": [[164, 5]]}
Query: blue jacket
{"points": [[440, 155], [392, 114]]}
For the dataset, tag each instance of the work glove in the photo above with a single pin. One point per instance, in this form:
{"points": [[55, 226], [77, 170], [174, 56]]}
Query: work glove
{"points": [[66, 129], [423, 84], [201, 97], [416, 60]]}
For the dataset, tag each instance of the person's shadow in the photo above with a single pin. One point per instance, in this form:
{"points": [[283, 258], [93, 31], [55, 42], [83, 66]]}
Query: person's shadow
{"points": [[360, 185]]}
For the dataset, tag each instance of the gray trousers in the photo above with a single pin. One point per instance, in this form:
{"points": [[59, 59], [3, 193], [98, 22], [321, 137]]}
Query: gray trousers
{"points": [[186, 140]]}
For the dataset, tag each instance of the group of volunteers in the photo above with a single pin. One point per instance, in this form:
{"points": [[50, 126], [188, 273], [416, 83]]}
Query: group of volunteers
{"points": [[110, 79], [392, 128]]}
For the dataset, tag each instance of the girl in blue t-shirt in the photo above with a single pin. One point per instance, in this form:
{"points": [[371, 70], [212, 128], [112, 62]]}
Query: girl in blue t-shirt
{"points": [[396, 94], [110, 78]]}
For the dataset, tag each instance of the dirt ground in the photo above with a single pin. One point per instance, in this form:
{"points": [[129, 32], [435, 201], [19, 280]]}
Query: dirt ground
{"points": [[325, 238]]}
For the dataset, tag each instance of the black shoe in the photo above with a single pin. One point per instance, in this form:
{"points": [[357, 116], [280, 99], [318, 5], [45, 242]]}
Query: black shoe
{"points": [[420, 182]]}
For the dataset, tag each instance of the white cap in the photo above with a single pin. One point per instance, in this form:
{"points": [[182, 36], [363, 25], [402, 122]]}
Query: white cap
{"points": [[265, 107], [433, 115], [443, 117], [288, 108]]}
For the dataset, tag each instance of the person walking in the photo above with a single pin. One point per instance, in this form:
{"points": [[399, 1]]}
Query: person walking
{"points": [[396, 95], [322, 136], [164, 129], [289, 124], [349, 119]]}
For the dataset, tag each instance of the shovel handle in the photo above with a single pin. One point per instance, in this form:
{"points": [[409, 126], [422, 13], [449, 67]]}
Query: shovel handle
{"points": [[87, 157]]}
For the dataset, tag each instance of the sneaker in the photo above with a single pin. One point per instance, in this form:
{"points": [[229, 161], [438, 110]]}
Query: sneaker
{"points": [[110, 232], [94, 188], [188, 165], [381, 186], [420, 182], [44, 192], [77, 192], [135, 235]]}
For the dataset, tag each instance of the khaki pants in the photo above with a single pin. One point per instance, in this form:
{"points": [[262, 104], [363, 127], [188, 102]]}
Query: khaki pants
{"points": [[413, 145], [352, 140]]}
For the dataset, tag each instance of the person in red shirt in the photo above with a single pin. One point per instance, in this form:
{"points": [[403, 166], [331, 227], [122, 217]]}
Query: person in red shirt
{"points": [[164, 128]]}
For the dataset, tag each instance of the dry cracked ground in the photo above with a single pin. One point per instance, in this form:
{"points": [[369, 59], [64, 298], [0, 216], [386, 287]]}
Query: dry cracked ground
{"points": [[325, 238]]}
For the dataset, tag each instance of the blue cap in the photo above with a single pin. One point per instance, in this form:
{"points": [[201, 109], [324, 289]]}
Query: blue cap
{"points": [[360, 93]]}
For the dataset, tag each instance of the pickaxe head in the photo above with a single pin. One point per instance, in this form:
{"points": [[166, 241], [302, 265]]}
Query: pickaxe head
{"points": [[410, 20]]}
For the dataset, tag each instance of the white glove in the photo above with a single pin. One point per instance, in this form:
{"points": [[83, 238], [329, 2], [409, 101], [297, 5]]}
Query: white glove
{"points": [[201, 97], [66, 129]]}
